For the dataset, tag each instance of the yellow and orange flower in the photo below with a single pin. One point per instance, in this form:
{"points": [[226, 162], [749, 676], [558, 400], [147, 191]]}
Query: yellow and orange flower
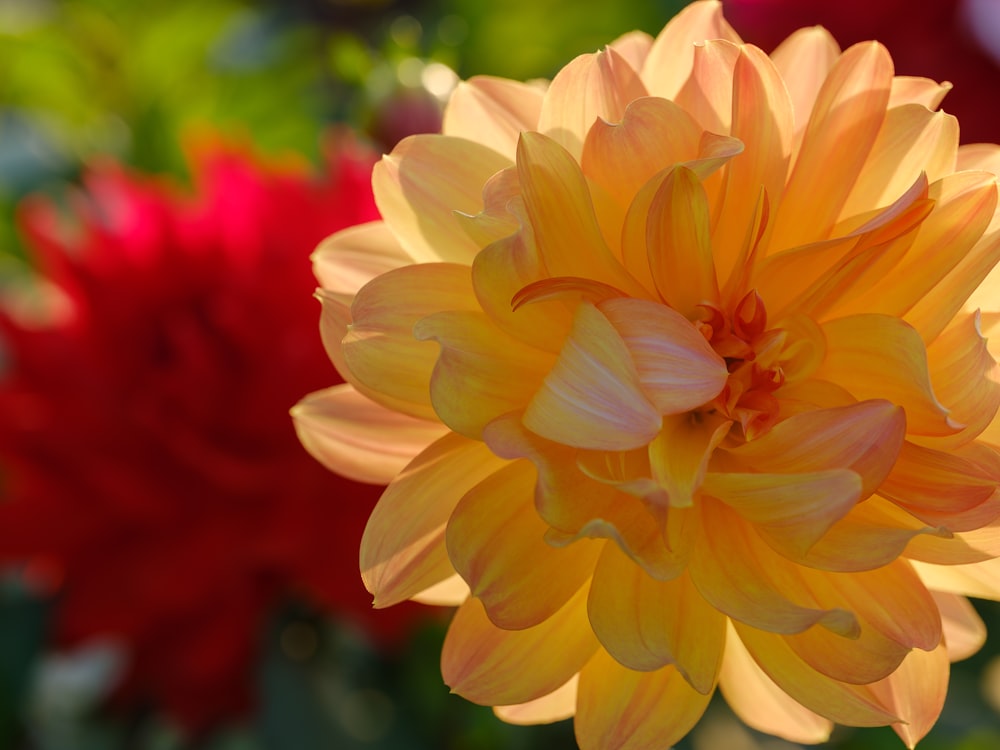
{"points": [[678, 370]]}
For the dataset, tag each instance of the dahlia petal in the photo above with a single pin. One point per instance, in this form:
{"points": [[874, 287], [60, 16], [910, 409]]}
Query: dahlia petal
{"points": [[762, 120], [591, 87], [761, 704], [346, 432], [481, 372], [679, 244], [708, 93], [451, 592], [621, 709], [557, 705], [383, 359], [499, 217], [346, 261], [845, 121], [798, 507], [495, 667], [913, 140], [592, 397], [915, 90], [948, 293], [739, 575], [653, 134], [915, 693], [979, 156], [680, 454], [677, 369], [670, 60], [496, 541], [863, 437], [963, 628], [881, 357], [804, 60], [403, 548], [980, 579], [493, 111], [334, 323], [646, 624], [958, 548], [420, 186], [561, 212], [854, 705]]}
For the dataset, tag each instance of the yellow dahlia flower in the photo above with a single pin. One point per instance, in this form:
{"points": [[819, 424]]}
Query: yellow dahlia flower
{"points": [[678, 370]]}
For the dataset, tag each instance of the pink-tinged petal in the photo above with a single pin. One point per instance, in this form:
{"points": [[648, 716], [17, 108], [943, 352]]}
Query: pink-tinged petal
{"points": [[854, 705], [980, 579], [451, 592], [671, 58], [423, 182], [653, 134], [979, 238], [499, 218], [634, 46], [383, 359], [592, 398], [481, 372], [496, 541], [679, 455], [863, 437], [495, 667], [804, 60], [965, 376], [741, 576], [708, 93], [979, 156], [558, 204], [347, 432], [677, 369], [915, 693], [761, 704], [646, 624], [881, 357], [963, 629], [762, 119], [403, 548], [958, 548], [845, 121], [346, 261], [334, 323], [912, 140], [621, 709], [557, 705], [679, 243], [800, 508], [938, 487], [591, 87], [915, 90], [577, 506], [503, 270], [493, 111]]}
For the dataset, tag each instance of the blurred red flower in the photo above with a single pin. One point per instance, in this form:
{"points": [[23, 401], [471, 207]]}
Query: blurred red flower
{"points": [[150, 465], [947, 40]]}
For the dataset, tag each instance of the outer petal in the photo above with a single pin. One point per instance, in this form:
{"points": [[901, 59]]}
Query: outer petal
{"points": [[671, 58], [646, 624], [346, 261], [915, 693], [346, 432], [420, 185], [964, 630], [978, 579], [845, 120], [804, 60], [495, 667], [496, 541], [761, 704], [592, 398], [557, 705], [382, 358], [592, 86], [620, 709], [493, 112], [403, 548]]}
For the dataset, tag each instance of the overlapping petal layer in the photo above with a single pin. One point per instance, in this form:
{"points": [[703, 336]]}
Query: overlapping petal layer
{"points": [[713, 330]]}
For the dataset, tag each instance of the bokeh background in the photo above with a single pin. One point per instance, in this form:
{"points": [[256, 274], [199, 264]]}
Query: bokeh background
{"points": [[82, 81]]}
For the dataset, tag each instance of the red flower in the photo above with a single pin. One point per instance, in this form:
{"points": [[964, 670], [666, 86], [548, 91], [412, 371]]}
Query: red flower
{"points": [[948, 40], [150, 462]]}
